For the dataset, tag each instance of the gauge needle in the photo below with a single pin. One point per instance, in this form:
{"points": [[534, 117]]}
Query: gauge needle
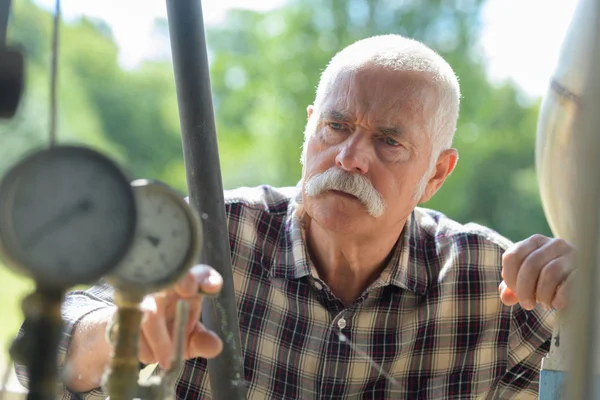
{"points": [[83, 207], [153, 240]]}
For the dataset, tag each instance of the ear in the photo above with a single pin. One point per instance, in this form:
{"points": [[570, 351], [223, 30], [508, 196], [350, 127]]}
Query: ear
{"points": [[309, 111], [443, 168]]}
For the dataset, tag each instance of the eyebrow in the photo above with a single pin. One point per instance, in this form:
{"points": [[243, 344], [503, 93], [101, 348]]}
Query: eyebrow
{"points": [[336, 115], [390, 131]]}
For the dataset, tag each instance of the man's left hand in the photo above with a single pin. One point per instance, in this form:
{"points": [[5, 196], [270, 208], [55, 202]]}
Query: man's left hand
{"points": [[537, 270]]}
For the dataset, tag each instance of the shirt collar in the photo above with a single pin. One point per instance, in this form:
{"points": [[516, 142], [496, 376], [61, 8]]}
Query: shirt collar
{"points": [[406, 268], [294, 261]]}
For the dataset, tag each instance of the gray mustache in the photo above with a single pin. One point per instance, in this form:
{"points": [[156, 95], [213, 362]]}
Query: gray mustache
{"points": [[354, 184]]}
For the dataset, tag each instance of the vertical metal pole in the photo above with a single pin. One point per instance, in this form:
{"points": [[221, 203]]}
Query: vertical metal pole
{"points": [[201, 155], [567, 164], [12, 68], [4, 16], [583, 313]]}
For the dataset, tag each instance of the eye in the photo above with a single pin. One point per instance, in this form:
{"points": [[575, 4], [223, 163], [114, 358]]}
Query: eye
{"points": [[390, 142], [336, 126]]}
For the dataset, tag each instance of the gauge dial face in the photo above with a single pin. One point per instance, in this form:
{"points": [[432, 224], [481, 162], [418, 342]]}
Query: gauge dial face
{"points": [[166, 243], [67, 216]]}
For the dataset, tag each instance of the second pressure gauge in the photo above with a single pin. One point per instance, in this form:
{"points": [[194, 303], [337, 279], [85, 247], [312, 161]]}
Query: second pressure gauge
{"points": [[167, 241]]}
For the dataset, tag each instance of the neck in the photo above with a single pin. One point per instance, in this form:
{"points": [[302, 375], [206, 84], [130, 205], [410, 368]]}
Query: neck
{"points": [[349, 263]]}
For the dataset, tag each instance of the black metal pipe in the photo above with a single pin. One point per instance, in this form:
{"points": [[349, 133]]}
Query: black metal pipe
{"points": [[4, 17], [37, 347], [12, 68], [203, 172]]}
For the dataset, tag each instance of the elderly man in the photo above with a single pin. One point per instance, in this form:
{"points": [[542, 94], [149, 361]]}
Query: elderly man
{"points": [[345, 288]]}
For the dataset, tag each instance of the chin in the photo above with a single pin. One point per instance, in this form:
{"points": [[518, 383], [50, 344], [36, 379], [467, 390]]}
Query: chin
{"points": [[341, 225], [338, 216]]}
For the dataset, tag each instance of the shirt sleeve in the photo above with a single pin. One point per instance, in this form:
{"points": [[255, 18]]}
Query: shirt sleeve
{"points": [[528, 343], [76, 305]]}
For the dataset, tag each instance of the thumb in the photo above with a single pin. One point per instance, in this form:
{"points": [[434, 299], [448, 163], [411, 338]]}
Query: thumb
{"points": [[507, 296], [203, 343]]}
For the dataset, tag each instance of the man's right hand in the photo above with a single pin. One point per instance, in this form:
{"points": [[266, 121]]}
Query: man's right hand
{"points": [[89, 352], [157, 344]]}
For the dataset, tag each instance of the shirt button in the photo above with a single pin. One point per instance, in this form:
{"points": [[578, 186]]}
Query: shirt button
{"points": [[342, 323], [318, 285]]}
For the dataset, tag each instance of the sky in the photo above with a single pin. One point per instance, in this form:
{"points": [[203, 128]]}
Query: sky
{"points": [[521, 38]]}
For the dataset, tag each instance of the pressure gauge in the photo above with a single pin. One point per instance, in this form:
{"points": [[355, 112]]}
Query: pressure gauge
{"points": [[67, 216], [167, 241]]}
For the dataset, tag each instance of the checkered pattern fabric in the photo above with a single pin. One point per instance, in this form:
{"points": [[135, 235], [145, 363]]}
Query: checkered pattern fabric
{"points": [[431, 327]]}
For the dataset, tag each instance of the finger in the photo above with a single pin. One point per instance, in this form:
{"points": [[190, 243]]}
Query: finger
{"points": [[507, 296], [193, 317], [145, 353], [515, 255], [154, 327], [563, 292], [195, 308], [533, 266], [186, 286], [189, 285], [208, 279], [551, 276], [204, 343]]}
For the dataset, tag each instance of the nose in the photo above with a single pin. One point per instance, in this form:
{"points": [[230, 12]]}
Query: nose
{"points": [[354, 155]]}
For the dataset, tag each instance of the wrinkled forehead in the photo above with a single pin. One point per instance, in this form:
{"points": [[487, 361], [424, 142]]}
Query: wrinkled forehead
{"points": [[382, 93]]}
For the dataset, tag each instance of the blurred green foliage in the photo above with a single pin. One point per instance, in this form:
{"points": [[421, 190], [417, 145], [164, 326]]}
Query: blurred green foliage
{"points": [[264, 69]]}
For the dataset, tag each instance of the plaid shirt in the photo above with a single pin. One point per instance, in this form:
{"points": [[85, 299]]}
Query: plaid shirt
{"points": [[431, 327]]}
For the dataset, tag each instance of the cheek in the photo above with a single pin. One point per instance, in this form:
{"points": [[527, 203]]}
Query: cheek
{"points": [[321, 140], [397, 189], [392, 155], [319, 157]]}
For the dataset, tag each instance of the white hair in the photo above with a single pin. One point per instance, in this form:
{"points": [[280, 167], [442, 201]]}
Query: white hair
{"points": [[398, 53]]}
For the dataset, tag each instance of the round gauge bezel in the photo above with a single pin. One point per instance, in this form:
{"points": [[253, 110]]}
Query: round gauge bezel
{"points": [[123, 283], [10, 248]]}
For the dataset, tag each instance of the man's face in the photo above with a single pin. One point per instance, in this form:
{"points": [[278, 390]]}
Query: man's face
{"points": [[371, 130]]}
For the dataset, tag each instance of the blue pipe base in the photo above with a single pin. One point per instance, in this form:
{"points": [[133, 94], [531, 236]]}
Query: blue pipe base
{"points": [[553, 385]]}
